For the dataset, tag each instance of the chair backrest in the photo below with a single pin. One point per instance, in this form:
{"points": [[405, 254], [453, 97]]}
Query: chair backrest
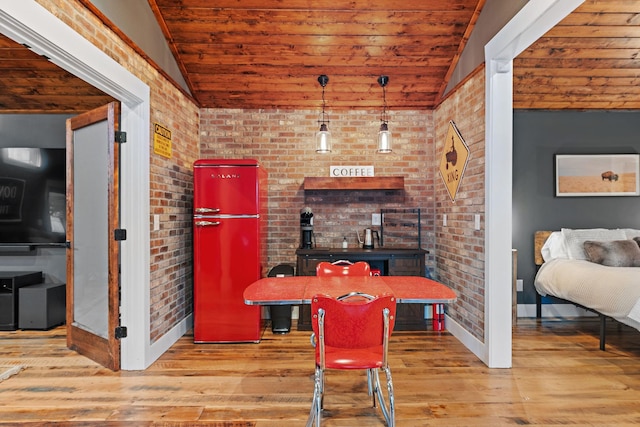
{"points": [[355, 321], [343, 268]]}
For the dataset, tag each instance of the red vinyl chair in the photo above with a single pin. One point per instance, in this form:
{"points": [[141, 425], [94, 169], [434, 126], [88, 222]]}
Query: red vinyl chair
{"points": [[343, 268], [353, 333]]}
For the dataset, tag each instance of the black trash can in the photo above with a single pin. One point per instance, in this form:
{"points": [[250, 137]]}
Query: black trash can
{"points": [[281, 314]]}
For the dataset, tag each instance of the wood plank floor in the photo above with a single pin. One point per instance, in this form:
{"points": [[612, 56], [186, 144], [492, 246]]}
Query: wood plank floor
{"points": [[559, 377]]}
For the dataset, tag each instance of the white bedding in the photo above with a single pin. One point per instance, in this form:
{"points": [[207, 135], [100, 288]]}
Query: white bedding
{"points": [[612, 291]]}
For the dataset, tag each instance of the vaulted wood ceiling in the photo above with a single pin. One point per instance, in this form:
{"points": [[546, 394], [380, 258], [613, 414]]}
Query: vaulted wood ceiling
{"points": [[265, 54], [268, 54]]}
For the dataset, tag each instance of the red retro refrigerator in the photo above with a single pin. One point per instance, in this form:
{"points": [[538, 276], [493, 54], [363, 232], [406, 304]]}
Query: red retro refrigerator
{"points": [[229, 248]]}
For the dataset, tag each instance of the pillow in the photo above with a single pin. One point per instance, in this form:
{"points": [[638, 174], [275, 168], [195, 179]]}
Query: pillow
{"points": [[554, 247], [617, 253], [631, 233], [574, 239]]}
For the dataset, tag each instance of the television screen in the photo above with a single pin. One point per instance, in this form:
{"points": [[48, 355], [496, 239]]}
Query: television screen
{"points": [[32, 195]]}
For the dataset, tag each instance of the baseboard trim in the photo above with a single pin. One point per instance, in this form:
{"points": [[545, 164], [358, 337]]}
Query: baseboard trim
{"points": [[165, 342], [554, 310], [472, 343]]}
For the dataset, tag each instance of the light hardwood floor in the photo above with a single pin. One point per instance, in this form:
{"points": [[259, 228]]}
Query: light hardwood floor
{"points": [[559, 377]]}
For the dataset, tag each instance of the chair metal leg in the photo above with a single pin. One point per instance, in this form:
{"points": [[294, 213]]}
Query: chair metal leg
{"points": [[603, 331], [388, 410], [375, 389], [370, 374], [316, 405]]}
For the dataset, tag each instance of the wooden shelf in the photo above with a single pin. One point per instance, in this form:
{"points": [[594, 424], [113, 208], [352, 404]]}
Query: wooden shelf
{"points": [[355, 183]]}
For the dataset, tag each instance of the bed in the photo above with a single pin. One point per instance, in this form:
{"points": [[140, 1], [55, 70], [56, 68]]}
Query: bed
{"points": [[596, 269]]}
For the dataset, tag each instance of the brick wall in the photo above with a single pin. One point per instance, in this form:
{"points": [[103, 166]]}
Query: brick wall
{"points": [[459, 247], [171, 179], [283, 141]]}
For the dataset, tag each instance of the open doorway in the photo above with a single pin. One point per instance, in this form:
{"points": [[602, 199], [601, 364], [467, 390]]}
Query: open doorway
{"points": [[29, 24], [38, 97]]}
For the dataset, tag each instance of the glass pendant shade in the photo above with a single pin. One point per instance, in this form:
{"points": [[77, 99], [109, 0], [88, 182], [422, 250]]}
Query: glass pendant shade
{"points": [[384, 135], [384, 139], [323, 139]]}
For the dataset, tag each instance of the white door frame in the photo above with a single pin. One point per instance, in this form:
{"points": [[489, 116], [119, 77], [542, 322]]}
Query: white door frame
{"points": [[534, 19], [27, 22]]}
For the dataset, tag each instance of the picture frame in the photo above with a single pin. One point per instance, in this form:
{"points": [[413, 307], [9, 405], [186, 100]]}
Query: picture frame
{"points": [[581, 175]]}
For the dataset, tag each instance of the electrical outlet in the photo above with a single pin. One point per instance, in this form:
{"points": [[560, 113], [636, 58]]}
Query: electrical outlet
{"points": [[477, 222], [519, 285], [444, 220], [376, 219]]}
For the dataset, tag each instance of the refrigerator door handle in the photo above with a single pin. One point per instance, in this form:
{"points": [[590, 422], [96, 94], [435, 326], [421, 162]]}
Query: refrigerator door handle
{"points": [[206, 223], [207, 210]]}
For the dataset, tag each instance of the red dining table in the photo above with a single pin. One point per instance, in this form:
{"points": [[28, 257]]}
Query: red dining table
{"points": [[300, 289]]}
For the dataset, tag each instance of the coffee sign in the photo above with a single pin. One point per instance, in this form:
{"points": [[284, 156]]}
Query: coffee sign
{"points": [[350, 171]]}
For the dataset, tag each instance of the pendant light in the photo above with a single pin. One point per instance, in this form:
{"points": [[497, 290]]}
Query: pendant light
{"points": [[323, 137], [384, 135]]}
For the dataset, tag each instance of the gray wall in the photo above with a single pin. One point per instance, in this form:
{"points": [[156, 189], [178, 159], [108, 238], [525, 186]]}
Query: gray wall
{"points": [[33, 130], [537, 136]]}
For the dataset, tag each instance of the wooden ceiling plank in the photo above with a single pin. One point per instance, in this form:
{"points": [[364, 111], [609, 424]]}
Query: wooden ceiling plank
{"points": [[577, 104], [609, 6], [259, 17], [520, 70], [334, 30], [335, 70], [191, 61], [400, 50], [584, 43], [533, 84], [622, 91], [589, 31], [214, 38], [593, 63], [231, 103], [602, 19], [328, 6], [369, 86], [570, 53]]}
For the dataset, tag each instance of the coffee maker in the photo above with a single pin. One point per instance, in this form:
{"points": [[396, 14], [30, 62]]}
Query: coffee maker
{"points": [[306, 228]]}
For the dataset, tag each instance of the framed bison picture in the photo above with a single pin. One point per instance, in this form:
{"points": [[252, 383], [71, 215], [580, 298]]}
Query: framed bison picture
{"points": [[579, 175]]}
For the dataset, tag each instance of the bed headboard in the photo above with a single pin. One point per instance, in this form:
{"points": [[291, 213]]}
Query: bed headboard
{"points": [[540, 238]]}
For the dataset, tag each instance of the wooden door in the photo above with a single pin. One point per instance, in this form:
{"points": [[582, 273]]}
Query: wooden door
{"points": [[92, 232]]}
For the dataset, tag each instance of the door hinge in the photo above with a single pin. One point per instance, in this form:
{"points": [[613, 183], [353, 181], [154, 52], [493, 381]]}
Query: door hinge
{"points": [[120, 234], [121, 136], [121, 332]]}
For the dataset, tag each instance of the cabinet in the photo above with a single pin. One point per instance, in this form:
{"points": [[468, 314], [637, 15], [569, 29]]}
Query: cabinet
{"points": [[390, 262], [10, 283], [42, 306]]}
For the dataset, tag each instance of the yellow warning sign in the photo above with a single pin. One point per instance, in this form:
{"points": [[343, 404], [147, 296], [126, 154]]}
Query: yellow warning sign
{"points": [[161, 140], [453, 162]]}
